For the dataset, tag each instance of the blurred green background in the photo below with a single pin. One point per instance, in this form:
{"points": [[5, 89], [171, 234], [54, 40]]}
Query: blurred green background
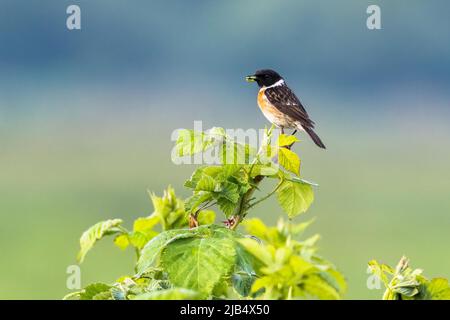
{"points": [[86, 119]]}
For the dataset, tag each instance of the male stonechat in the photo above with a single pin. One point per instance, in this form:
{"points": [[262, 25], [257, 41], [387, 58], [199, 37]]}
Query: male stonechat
{"points": [[281, 106]]}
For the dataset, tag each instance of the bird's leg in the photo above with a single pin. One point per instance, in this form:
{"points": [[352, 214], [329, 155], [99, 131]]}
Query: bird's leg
{"points": [[293, 134], [282, 130]]}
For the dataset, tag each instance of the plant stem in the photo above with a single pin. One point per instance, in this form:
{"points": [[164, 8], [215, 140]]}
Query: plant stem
{"points": [[267, 195], [242, 208]]}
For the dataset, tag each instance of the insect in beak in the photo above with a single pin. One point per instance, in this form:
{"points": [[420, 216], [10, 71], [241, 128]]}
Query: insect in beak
{"points": [[250, 78]]}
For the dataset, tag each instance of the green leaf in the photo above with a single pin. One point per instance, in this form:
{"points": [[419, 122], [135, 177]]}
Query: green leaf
{"points": [[255, 227], [235, 153], [315, 287], [93, 289], [286, 140], [169, 294], [122, 241], [145, 224], [153, 248], [230, 191], [206, 183], [198, 263], [295, 197], [243, 283], [95, 233], [289, 160], [377, 270], [197, 199], [106, 295], [226, 206], [195, 177], [72, 296], [190, 142], [139, 239], [244, 274], [217, 132], [407, 291], [267, 170], [437, 289], [259, 251], [206, 217], [169, 209]]}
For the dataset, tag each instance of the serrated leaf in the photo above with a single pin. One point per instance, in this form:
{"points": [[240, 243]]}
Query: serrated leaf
{"points": [[197, 199], [230, 191], [235, 153], [289, 160], [195, 177], [95, 233], [295, 197], [437, 289], [198, 263], [226, 206], [206, 183], [169, 294], [190, 142], [153, 248], [93, 289], [286, 140]]}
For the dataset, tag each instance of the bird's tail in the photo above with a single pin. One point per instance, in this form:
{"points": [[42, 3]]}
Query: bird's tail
{"points": [[315, 137]]}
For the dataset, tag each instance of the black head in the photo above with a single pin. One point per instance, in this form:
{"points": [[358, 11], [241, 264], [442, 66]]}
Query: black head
{"points": [[264, 78]]}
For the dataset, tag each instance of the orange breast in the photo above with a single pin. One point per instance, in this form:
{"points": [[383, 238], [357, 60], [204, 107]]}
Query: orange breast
{"points": [[270, 112]]}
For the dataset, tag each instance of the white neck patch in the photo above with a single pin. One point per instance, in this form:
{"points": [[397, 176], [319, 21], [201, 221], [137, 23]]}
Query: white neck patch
{"points": [[276, 84]]}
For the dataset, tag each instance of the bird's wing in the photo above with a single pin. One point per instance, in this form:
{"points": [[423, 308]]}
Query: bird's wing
{"points": [[287, 102]]}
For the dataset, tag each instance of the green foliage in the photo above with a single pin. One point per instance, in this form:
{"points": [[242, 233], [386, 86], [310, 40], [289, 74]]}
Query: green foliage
{"points": [[231, 185], [405, 283], [94, 291], [295, 197], [169, 294], [95, 233], [199, 262], [290, 269], [182, 254]]}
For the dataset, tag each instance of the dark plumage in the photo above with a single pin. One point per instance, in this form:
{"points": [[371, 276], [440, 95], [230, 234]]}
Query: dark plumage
{"points": [[281, 106]]}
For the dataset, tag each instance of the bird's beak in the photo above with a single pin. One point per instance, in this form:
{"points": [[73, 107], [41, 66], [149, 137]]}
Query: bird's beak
{"points": [[250, 78]]}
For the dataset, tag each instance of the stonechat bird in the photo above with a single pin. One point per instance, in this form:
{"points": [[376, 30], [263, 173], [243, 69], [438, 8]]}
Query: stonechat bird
{"points": [[281, 106]]}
